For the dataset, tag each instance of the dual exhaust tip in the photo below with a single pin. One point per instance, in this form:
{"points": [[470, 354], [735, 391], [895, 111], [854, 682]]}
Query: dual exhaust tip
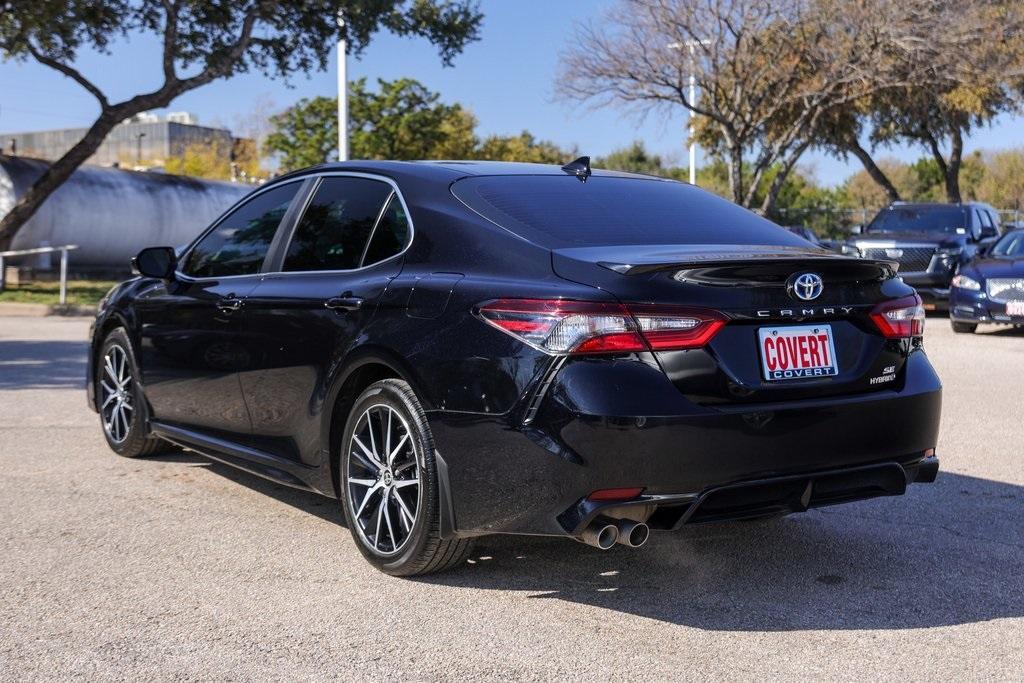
{"points": [[603, 533]]}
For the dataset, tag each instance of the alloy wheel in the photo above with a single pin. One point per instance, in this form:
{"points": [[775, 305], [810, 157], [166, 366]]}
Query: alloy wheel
{"points": [[116, 394], [383, 479]]}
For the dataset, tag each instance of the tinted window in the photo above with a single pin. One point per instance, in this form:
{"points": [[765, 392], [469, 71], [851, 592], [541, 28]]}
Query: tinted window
{"points": [[333, 231], [557, 211], [920, 219], [1011, 245], [391, 234], [239, 243]]}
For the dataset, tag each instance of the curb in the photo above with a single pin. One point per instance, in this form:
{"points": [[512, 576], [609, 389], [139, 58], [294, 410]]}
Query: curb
{"points": [[42, 310]]}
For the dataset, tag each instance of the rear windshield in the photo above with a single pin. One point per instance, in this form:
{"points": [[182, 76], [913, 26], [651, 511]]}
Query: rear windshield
{"points": [[560, 211], [920, 219]]}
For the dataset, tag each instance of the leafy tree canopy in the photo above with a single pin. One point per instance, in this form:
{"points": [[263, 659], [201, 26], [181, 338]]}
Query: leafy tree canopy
{"points": [[401, 119], [202, 41]]}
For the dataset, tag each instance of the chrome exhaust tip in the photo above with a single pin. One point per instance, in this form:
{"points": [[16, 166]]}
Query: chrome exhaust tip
{"points": [[601, 534], [632, 534]]}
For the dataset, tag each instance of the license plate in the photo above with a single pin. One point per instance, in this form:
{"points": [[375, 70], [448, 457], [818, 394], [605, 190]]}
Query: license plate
{"points": [[1015, 308], [797, 352]]}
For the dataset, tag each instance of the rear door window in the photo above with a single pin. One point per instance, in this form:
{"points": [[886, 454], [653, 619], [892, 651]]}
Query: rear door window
{"points": [[334, 229], [239, 242], [391, 234]]}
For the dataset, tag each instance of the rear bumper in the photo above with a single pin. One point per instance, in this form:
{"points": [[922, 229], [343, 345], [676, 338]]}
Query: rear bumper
{"points": [[761, 497], [505, 477]]}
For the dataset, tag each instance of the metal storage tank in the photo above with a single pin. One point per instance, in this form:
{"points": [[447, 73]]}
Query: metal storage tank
{"points": [[112, 213]]}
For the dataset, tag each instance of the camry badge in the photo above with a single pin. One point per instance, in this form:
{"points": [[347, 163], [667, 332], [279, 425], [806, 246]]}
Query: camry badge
{"points": [[806, 286]]}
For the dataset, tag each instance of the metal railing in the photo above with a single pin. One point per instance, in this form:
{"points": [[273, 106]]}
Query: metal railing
{"points": [[42, 250]]}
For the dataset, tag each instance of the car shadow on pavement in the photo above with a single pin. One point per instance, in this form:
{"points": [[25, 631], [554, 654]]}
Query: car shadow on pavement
{"points": [[949, 553], [42, 364], [944, 554], [325, 508]]}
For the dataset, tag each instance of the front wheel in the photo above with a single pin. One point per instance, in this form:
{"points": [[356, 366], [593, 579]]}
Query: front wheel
{"points": [[120, 401], [964, 328], [389, 484]]}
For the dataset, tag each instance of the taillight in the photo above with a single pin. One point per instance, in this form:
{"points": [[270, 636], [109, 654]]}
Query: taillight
{"points": [[900, 318], [559, 326]]}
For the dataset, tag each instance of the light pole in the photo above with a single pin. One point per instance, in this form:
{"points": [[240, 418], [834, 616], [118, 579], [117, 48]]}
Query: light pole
{"points": [[342, 91], [692, 45]]}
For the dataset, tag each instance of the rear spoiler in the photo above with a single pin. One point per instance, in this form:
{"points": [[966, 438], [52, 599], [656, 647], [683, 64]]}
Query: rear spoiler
{"points": [[722, 260]]}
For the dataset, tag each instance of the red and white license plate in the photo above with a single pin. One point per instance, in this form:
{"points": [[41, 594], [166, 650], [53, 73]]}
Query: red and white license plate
{"points": [[1015, 308], [797, 352]]}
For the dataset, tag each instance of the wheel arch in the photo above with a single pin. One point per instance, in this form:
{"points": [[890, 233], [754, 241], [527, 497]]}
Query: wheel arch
{"points": [[362, 367]]}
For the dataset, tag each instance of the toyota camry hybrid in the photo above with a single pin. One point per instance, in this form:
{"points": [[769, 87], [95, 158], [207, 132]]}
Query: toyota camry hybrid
{"points": [[454, 349]]}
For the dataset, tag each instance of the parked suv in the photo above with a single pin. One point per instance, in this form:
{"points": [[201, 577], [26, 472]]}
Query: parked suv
{"points": [[929, 241]]}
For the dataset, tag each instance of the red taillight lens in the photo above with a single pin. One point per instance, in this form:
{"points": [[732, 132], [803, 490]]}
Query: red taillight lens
{"points": [[559, 326], [900, 318]]}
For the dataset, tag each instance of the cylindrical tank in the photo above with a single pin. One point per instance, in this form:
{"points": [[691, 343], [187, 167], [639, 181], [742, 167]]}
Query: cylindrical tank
{"points": [[112, 213]]}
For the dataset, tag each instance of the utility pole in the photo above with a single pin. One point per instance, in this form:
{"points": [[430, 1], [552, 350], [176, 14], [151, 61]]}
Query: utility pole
{"points": [[342, 90], [692, 46], [138, 148]]}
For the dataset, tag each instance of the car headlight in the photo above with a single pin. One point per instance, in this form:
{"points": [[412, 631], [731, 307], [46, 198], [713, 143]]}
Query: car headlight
{"points": [[849, 250], [964, 282]]}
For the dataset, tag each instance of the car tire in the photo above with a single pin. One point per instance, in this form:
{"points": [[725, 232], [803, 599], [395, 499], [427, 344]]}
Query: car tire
{"points": [[386, 446], [963, 328], [120, 401]]}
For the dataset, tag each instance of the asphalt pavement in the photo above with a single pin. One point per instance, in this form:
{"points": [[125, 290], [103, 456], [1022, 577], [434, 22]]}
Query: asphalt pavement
{"points": [[176, 568]]}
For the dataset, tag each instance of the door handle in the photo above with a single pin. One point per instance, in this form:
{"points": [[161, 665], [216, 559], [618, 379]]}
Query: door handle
{"points": [[229, 305], [344, 303]]}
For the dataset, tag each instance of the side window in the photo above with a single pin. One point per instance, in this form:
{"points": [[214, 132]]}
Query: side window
{"points": [[333, 231], [239, 243], [391, 234]]}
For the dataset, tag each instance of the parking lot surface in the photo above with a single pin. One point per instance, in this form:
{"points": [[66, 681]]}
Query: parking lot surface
{"points": [[174, 567]]}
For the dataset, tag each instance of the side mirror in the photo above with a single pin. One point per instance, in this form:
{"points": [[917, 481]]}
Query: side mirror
{"points": [[159, 262], [857, 230]]}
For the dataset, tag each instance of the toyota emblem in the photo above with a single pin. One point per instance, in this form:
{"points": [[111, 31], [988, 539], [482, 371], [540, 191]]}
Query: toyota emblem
{"points": [[806, 286]]}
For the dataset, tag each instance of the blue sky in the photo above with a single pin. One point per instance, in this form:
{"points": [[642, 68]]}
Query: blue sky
{"points": [[507, 80]]}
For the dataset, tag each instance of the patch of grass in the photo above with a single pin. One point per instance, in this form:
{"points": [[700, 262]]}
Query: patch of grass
{"points": [[80, 292]]}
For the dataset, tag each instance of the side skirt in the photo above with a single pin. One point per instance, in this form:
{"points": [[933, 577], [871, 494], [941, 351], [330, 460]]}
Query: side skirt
{"points": [[246, 458]]}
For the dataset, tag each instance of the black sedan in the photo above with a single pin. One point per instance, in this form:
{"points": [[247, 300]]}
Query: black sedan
{"points": [[454, 349], [990, 287]]}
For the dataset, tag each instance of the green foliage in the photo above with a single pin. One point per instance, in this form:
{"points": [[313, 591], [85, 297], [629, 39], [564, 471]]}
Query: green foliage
{"points": [[402, 119], [405, 120], [287, 37], [306, 133], [633, 159], [79, 292], [523, 147]]}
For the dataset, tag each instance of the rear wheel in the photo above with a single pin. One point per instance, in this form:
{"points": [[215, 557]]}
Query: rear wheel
{"points": [[120, 401], [389, 484], [964, 328]]}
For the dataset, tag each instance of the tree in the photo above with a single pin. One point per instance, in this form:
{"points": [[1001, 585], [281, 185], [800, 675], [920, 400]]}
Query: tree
{"points": [[972, 73], [767, 71], [403, 119], [1002, 183], [770, 73], [203, 41], [406, 120], [523, 147], [635, 159], [305, 134]]}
